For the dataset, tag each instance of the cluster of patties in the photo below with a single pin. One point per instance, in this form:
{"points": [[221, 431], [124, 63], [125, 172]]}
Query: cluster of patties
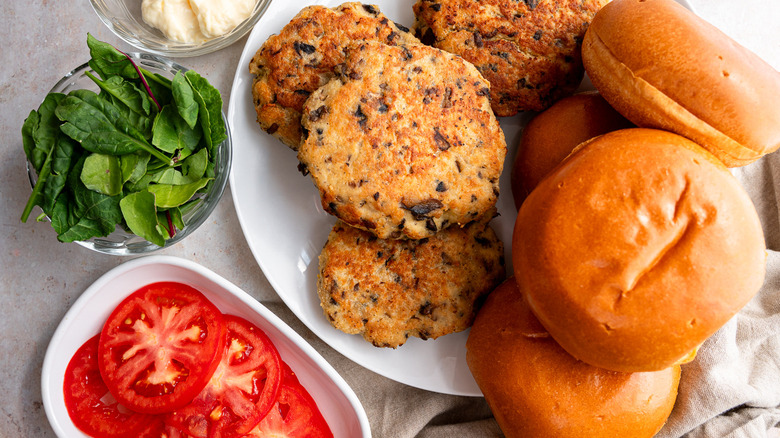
{"points": [[401, 142]]}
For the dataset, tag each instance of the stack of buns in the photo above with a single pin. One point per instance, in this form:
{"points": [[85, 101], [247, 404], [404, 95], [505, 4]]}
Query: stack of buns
{"points": [[632, 245]]}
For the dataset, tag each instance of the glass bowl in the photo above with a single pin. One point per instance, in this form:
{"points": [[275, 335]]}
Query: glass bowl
{"points": [[124, 242], [124, 18]]}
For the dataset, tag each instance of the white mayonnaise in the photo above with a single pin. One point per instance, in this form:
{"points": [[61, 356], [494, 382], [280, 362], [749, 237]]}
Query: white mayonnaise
{"points": [[218, 17], [194, 21]]}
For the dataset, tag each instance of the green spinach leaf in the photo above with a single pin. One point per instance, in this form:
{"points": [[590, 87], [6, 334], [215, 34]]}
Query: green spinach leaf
{"points": [[209, 109], [169, 195], [184, 97], [80, 213], [194, 166], [140, 214], [40, 134], [103, 174], [99, 127], [46, 130], [176, 217], [133, 166], [171, 133], [170, 176], [107, 61], [125, 92], [91, 204], [28, 129], [71, 227], [66, 153]]}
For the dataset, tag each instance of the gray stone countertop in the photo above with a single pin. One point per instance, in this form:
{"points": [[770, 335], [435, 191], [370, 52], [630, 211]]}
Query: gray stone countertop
{"points": [[40, 278]]}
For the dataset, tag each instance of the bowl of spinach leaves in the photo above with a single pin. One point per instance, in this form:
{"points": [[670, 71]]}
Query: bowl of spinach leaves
{"points": [[128, 153]]}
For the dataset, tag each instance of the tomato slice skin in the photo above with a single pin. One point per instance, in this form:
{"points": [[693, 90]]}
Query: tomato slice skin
{"points": [[241, 391], [89, 404], [294, 415], [158, 429], [160, 346]]}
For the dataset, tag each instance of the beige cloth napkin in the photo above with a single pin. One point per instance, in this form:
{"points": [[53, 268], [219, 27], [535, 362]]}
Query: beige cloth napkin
{"points": [[731, 389]]}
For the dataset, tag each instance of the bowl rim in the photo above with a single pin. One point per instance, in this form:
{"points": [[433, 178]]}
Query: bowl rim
{"points": [[209, 201], [175, 48]]}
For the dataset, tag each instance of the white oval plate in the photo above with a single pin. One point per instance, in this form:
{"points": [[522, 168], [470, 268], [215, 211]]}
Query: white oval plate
{"points": [[338, 403], [286, 228]]}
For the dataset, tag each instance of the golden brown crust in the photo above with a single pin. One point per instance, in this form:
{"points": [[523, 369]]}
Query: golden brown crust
{"points": [[292, 64], [623, 239], [663, 67], [553, 134], [529, 51], [388, 290], [536, 389], [403, 142]]}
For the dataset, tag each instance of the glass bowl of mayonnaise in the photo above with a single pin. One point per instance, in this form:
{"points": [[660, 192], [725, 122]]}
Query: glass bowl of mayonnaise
{"points": [[180, 28]]}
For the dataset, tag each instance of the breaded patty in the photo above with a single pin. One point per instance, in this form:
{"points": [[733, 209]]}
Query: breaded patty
{"points": [[292, 64], [387, 289], [403, 143], [528, 50]]}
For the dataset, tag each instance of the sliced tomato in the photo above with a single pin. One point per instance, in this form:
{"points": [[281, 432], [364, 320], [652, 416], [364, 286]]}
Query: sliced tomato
{"points": [[159, 429], [288, 375], [160, 346], [294, 415], [241, 391], [89, 403]]}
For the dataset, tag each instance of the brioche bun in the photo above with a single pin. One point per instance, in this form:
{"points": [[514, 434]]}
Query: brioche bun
{"points": [[536, 389], [638, 247], [552, 134], [662, 66]]}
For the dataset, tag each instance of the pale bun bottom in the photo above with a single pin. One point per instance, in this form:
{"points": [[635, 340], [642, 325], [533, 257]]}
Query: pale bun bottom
{"points": [[554, 133], [536, 389]]}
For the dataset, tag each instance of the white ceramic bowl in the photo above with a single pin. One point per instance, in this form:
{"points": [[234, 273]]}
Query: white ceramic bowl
{"points": [[338, 403]]}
